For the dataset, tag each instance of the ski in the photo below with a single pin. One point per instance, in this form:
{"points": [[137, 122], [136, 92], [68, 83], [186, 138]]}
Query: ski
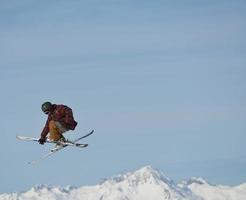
{"points": [[26, 138], [65, 143], [52, 151], [83, 136], [72, 144], [59, 145]]}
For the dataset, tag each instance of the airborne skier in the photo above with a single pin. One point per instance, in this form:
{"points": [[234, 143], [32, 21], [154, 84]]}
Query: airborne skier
{"points": [[60, 120]]}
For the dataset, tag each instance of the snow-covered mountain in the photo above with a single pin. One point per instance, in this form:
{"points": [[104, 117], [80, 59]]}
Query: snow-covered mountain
{"points": [[143, 184]]}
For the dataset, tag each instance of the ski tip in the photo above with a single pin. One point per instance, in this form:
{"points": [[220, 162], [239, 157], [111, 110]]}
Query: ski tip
{"points": [[35, 162], [81, 145], [18, 137]]}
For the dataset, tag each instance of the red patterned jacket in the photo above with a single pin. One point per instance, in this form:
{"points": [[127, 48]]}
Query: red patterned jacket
{"points": [[62, 114]]}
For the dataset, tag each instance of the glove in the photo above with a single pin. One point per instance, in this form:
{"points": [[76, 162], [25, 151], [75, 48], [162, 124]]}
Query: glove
{"points": [[42, 140]]}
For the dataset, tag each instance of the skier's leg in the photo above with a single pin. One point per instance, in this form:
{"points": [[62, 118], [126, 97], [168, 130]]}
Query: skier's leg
{"points": [[61, 128], [54, 132]]}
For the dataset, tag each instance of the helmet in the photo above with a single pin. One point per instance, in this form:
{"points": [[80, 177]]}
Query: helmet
{"points": [[46, 106]]}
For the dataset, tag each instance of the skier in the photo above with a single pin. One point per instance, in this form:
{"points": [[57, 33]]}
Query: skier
{"points": [[60, 120]]}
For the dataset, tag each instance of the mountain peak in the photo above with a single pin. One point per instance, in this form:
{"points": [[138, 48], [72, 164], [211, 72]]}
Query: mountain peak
{"points": [[148, 172], [145, 174], [40, 187], [43, 188], [198, 180], [148, 169]]}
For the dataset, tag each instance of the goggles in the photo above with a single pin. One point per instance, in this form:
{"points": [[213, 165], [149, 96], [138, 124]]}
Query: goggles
{"points": [[47, 112]]}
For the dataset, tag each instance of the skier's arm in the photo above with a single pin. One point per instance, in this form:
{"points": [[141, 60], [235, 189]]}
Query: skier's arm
{"points": [[69, 119], [68, 115], [45, 129]]}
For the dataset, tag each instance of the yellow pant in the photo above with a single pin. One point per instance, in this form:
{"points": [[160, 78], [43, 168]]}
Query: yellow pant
{"points": [[55, 131]]}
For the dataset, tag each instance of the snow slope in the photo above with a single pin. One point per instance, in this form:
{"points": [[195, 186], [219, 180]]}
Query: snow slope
{"points": [[143, 184]]}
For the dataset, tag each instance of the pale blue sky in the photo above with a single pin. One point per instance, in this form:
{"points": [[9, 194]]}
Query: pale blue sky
{"points": [[163, 83]]}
